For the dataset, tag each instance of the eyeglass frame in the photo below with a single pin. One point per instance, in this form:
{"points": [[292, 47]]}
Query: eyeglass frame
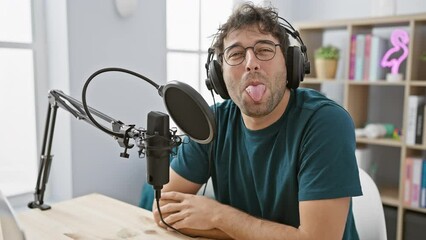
{"points": [[221, 55]]}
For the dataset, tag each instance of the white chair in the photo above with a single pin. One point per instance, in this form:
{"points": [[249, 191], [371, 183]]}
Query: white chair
{"points": [[209, 189], [368, 210]]}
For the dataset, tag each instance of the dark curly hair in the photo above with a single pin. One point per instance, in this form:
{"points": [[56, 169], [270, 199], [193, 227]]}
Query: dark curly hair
{"points": [[247, 14]]}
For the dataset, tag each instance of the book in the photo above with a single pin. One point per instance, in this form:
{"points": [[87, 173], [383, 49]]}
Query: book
{"points": [[367, 53], [416, 182], [407, 180], [423, 133], [377, 50], [352, 56], [414, 102], [420, 124], [359, 56], [423, 186]]}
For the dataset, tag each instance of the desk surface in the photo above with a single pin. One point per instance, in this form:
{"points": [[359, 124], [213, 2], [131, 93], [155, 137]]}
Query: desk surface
{"points": [[92, 217]]}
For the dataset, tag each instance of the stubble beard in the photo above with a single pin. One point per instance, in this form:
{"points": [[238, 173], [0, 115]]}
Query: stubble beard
{"points": [[257, 110]]}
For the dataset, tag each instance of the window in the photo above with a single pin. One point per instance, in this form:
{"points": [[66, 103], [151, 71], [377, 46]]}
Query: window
{"points": [[18, 154], [190, 25]]}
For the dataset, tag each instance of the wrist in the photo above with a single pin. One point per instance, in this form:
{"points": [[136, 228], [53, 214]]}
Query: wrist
{"points": [[218, 215], [224, 216]]}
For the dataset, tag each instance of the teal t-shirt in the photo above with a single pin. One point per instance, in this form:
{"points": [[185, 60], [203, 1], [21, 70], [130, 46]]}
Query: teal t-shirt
{"points": [[308, 154]]}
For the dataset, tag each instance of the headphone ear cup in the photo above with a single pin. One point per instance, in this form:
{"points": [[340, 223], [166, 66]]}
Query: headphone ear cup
{"points": [[295, 67], [215, 79]]}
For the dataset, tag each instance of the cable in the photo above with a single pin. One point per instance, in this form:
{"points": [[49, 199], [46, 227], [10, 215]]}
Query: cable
{"points": [[86, 84], [211, 152], [157, 199]]}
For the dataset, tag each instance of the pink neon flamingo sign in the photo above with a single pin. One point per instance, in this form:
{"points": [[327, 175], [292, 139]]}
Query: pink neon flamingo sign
{"points": [[399, 40]]}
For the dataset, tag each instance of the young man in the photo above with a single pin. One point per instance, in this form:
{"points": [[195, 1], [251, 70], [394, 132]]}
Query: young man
{"points": [[284, 164]]}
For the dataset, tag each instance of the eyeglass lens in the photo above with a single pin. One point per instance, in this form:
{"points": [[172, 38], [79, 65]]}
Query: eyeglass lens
{"points": [[263, 50]]}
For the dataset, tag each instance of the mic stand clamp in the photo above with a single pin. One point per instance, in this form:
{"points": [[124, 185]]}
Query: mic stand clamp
{"points": [[123, 142]]}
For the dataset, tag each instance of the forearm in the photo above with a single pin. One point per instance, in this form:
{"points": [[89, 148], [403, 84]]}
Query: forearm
{"points": [[240, 225], [209, 234], [319, 219]]}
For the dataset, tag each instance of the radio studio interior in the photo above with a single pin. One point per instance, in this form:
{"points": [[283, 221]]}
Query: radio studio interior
{"points": [[212, 119]]}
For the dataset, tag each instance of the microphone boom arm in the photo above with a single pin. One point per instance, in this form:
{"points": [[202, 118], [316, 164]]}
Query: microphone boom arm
{"points": [[59, 99], [182, 93]]}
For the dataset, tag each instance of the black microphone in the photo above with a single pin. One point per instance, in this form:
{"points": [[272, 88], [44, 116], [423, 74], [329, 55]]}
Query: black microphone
{"points": [[189, 110], [158, 150]]}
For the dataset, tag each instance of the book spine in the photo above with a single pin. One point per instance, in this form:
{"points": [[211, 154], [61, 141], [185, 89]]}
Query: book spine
{"points": [[419, 124], [423, 188], [407, 180], [352, 56], [413, 103], [359, 59], [416, 182], [367, 54], [378, 48]]}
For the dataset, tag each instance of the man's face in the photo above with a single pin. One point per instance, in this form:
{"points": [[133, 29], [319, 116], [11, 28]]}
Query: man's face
{"points": [[255, 86]]}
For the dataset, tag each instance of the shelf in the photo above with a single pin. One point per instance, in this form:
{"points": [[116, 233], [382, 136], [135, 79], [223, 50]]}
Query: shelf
{"points": [[377, 101], [415, 209], [418, 83], [417, 147], [373, 21], [380, 141], [389, 196], [376, 83], [319, 81]]}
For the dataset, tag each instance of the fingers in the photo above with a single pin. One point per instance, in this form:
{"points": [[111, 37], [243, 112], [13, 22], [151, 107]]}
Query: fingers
{"points": [[155, 212], [169, 218], [172, 213], [175, 220], [173, 196], [156, 216], [167, 210], [175, 217], [171, 208]]}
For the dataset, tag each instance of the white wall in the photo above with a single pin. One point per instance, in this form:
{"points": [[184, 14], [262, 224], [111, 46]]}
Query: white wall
{"points": [[95, 37], [99, 38], [307, 10]]}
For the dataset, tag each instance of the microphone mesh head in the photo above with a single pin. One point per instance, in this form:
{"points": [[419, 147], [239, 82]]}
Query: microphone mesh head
{"points": [[189, 111]]}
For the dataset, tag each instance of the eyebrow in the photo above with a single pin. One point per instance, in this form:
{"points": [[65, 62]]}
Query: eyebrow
{"points": [[231, 46], [238, 44]]}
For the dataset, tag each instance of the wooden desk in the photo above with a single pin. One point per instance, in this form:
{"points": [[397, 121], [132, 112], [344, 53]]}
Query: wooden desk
{"points": [[92, 217]]}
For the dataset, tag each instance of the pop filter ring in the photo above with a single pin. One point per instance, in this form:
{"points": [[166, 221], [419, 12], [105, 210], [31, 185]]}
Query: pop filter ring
{"points": [[200, 103], [188, 90]]}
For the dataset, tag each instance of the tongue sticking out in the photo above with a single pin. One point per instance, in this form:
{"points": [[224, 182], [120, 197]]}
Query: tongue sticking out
{"points": [[256, 92]]}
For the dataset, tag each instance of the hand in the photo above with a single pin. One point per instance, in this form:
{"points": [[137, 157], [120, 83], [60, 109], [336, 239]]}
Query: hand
{"points": [[187, 211], [156, 213]]}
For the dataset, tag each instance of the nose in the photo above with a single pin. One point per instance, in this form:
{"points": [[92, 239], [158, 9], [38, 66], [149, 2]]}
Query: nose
{"points": [[252, 63]]}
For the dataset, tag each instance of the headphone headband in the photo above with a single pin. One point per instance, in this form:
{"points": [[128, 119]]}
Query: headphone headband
{"points": [[296, 35]]}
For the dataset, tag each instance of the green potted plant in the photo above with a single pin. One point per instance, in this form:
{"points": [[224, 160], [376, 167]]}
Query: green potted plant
{"points": [[423, 57], [422, 66], [326, 59]]}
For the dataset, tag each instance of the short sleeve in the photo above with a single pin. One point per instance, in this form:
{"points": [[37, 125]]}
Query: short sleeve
{"points": [[191, 161], [328, 167]]}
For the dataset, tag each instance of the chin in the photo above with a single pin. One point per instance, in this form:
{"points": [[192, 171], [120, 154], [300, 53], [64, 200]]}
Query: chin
{"points": [[255, 111]]}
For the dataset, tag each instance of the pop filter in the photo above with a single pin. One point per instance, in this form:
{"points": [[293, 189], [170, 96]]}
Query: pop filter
{"points": [[189, 111]]}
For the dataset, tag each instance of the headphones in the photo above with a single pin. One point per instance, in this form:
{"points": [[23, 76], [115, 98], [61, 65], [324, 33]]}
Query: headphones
{"points": [[296, 59]]}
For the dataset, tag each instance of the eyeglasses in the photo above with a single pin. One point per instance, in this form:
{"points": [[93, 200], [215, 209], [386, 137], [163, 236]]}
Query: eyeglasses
{"points": [[263, 50]]}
